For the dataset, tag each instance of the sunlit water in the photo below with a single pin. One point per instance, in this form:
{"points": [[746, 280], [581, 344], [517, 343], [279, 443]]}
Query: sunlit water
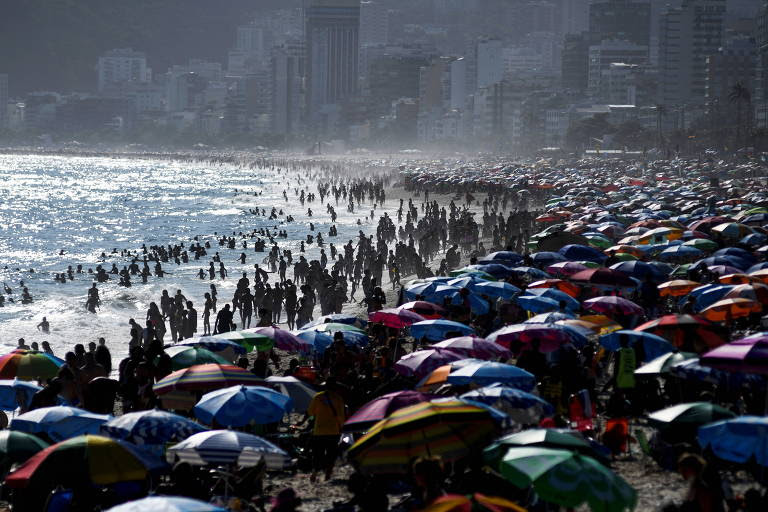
{"points": [[86, 206]]}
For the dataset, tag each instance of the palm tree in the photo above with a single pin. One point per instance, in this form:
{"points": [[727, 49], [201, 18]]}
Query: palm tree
{"points": [[740, 95]]}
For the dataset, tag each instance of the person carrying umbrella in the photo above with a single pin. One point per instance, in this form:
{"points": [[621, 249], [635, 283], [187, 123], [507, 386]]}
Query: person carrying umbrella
{"points": [[328, 411]]}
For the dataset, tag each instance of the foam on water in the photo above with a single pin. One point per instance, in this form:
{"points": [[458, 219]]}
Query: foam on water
{"points": [[86, 206]]}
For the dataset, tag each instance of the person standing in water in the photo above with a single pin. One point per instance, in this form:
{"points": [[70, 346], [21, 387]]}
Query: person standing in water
{"points": [[44, 326]]}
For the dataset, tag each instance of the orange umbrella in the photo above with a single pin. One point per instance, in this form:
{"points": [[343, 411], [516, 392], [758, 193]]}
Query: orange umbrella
{"points": [[727, 309], [762, 275], [677, 288], [752, 291], [477, 502], [629, 249], [564, 286], [738, 279], [581, 323], [438, 376], [606, 324]]}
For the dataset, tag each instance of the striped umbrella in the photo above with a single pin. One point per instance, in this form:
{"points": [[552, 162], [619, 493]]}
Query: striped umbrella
{"points": [[186, 356], [29, 365], [395, 318], [381, 407], [472, 346], [59, 422], [217, 447], [449, 429], [19, 446], [474, 503], [205, 377], [79, 461], [239, 406], [166, 504], [520, 406], [249, 340], [151, 427], [420, 363]]}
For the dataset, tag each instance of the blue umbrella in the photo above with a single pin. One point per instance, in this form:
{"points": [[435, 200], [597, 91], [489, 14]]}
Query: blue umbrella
{"points": [[216, 344], [556, 295], [151, 427], [438, 330], [679, 252], [166, 504], [756, 218], [653, 346], [477, 304], [467, 281], [754, 240], [486, 373], [692, 370], [238, 406], [738, 439], [319, 340], [708, 297], [536, 304], [728, 260], [521, 406], [736, 252], [546, 258], [530, 272], [495, 289], [14, 390], [495, 269], [504, 257], [757, 266], [339, 318], [575, 252], [639, 270], [59, 422]]}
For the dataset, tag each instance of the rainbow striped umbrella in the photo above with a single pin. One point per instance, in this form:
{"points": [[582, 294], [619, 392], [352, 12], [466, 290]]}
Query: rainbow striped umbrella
{"points": [[248, 338], [29, 365], [205, 377], [451, 429]]}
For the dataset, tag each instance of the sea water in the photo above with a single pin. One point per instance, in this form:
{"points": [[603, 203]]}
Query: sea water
{"points": [[60, 211]]}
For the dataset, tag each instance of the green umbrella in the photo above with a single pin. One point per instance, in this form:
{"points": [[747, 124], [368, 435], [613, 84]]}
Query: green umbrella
{"points": [[690, 414], [248, 339], [625, 256], [542, 437], [18, 446], [568, 479], [680, 271], [186, 356], [703, 244], [663, 363], [589, 264]]}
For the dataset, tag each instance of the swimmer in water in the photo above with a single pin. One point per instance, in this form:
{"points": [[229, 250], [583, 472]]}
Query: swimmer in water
{"points": [[44, 326]]}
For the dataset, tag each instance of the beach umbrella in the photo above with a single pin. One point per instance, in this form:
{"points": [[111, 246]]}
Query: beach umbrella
{"points": [[663, 363], [485, 373], [477, 304], [248, 339], [738, 439], [680, 253], [17, 447], [218, 447], [726, 261], [495, 269], [549, 336], [653, 346], [15, 393], [471, 503], [506, 256], [677, 329], [703, 244], [281, 338], [556, 295], [640, 270], [563, 439], [537, 304], [575, 252], [677, 288], [736, 252], [520, 406], [472, 346], [545, 258], [204, 377], [426, 309], [381, 407], [59, 422], [395, 318], [558, 284], [613, 305], [82, 460], [567, 478], [529, 273], [225, 348], [337, 327], [29, 365], [550, 317], [709, 294], [422, 362], [166, 504], [439, 375], [315, 341], [762, 275], [731, 230], [151, 427], [438, 330], [757, 292], [186, 356], [604, 277], [338, 318], [238, 406], [300, 392], [451, 430], [496, 289], [688, 416], [706, 224], [745, 355], [566, 268], [726, 310], [738, 278]]}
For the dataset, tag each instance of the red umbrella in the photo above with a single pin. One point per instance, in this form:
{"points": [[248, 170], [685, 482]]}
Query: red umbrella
{"points": [[426, 309], [613, 304], [604, 277], [420, 363], [564, 286], [381, 407], [708, 223], [395, 318], [686, 331]]}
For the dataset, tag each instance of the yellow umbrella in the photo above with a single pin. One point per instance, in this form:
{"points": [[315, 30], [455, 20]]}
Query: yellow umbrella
{"points": [[677, 288]]}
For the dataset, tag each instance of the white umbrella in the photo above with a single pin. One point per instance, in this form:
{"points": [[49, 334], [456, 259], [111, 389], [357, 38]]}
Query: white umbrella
{"points": [[300, 392], [227, 447]]}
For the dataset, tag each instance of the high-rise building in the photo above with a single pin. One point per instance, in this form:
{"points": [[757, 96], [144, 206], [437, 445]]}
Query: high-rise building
{"points": [[575, 61], [629, 20], [287, 88], [374, 23], [392, 77], [120, 67], [734, 63], [3, 101], [489, 62], [332, 29], [574, 16], [602, 55], [687, 36]]}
